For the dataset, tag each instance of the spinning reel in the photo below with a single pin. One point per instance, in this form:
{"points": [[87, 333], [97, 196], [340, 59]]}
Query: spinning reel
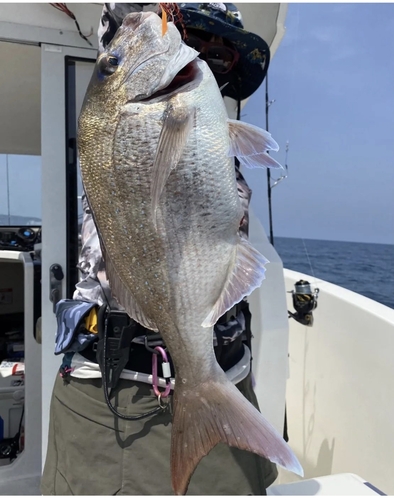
{"points": [[9, 448], [304, 302]]}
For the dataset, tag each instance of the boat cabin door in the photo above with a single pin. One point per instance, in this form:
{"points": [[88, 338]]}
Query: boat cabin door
{"points": [[65, 75], [41, 96]]}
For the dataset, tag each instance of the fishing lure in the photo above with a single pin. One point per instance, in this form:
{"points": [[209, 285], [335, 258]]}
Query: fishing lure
{"points": [[171, 12], [164, 26]]}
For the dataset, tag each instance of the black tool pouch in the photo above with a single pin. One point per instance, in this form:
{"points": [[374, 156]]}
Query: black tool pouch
{"points": [[115, 332], [230, 353]]}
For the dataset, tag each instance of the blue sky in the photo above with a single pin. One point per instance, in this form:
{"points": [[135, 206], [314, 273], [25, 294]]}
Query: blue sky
{"points": [[332, 79]]}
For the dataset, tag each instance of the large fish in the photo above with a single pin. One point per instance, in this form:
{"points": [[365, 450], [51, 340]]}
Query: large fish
{"points": [[156, 150]]}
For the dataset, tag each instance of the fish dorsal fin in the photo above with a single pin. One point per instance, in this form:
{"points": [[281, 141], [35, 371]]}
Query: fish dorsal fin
{"points": [[246, 274], [250, 145], [178, 123], [123, 295]]}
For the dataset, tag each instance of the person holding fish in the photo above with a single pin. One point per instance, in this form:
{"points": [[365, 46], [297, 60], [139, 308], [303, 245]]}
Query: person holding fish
{"points": [[155, 391]]}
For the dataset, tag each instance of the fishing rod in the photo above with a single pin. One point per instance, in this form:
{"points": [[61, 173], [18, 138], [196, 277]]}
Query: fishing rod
{"points": [[269, 187], [282, 177]]}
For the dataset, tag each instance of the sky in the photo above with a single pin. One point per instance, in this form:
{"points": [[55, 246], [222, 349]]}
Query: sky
{"points": [[332, 81]]}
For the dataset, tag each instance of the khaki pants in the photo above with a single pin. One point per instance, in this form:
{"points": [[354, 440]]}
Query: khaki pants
{"points": [[92, 452]]}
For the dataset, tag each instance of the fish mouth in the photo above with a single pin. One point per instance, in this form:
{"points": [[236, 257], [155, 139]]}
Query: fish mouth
{"points": [[185, 76]]}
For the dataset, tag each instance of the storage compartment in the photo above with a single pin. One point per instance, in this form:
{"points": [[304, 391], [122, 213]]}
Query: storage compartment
{"points": [[12, 351], [11, 423], [20, 305], [11, 407], [11, 310]]}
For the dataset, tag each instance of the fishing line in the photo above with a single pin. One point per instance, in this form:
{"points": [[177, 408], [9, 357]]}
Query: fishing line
{"points": [[172, 12], [309, 260], [267, 105]]}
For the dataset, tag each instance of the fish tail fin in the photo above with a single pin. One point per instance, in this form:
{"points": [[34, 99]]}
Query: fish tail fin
{"points": [[216, 412]]}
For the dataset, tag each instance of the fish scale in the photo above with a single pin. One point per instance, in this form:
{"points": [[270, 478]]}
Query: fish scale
{"points": [[183, 181], [157, 166]]}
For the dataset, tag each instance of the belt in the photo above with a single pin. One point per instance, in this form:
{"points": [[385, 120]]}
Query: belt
{"points": [[139, 356], [140, 359]]}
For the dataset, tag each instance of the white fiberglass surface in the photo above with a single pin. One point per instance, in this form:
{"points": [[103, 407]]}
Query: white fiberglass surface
{"points": [[54, 217], [340, 393], [20, 99]]}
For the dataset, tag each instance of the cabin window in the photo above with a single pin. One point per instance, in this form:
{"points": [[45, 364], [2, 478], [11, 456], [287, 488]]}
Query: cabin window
{"points": [[20, 190]]}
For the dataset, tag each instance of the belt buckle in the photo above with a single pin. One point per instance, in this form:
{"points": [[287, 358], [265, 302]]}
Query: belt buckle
{"points": [[153, 340]]}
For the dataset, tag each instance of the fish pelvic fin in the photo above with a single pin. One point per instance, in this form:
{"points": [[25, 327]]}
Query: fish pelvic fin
{"points": [[250, 144], [216, 412], [178, 123], [245, 275]]}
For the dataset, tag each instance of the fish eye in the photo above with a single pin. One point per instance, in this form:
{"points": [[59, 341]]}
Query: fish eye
{"points": [[108, 64], [113, 61]]}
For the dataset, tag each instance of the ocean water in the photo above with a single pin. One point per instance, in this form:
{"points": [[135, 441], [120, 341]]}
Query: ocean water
{"points": [[365, 268]]}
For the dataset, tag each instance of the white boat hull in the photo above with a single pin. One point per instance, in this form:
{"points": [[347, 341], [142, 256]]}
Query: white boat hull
{"points": [[340, 391]]}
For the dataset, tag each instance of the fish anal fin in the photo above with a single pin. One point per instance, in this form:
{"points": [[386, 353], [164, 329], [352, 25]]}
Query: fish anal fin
{"points": [[250, 144], [246, 275], [177, 125], [216, 412], [123, 295]]}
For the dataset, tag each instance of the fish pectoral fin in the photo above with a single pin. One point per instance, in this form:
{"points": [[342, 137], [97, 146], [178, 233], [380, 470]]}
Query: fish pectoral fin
{"points": [[123, 295], [250, 144], [213, 412], [178, 123], [247, 273]]}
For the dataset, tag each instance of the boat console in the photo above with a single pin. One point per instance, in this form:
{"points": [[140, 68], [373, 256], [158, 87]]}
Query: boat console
{"points": [[22, 238]]}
